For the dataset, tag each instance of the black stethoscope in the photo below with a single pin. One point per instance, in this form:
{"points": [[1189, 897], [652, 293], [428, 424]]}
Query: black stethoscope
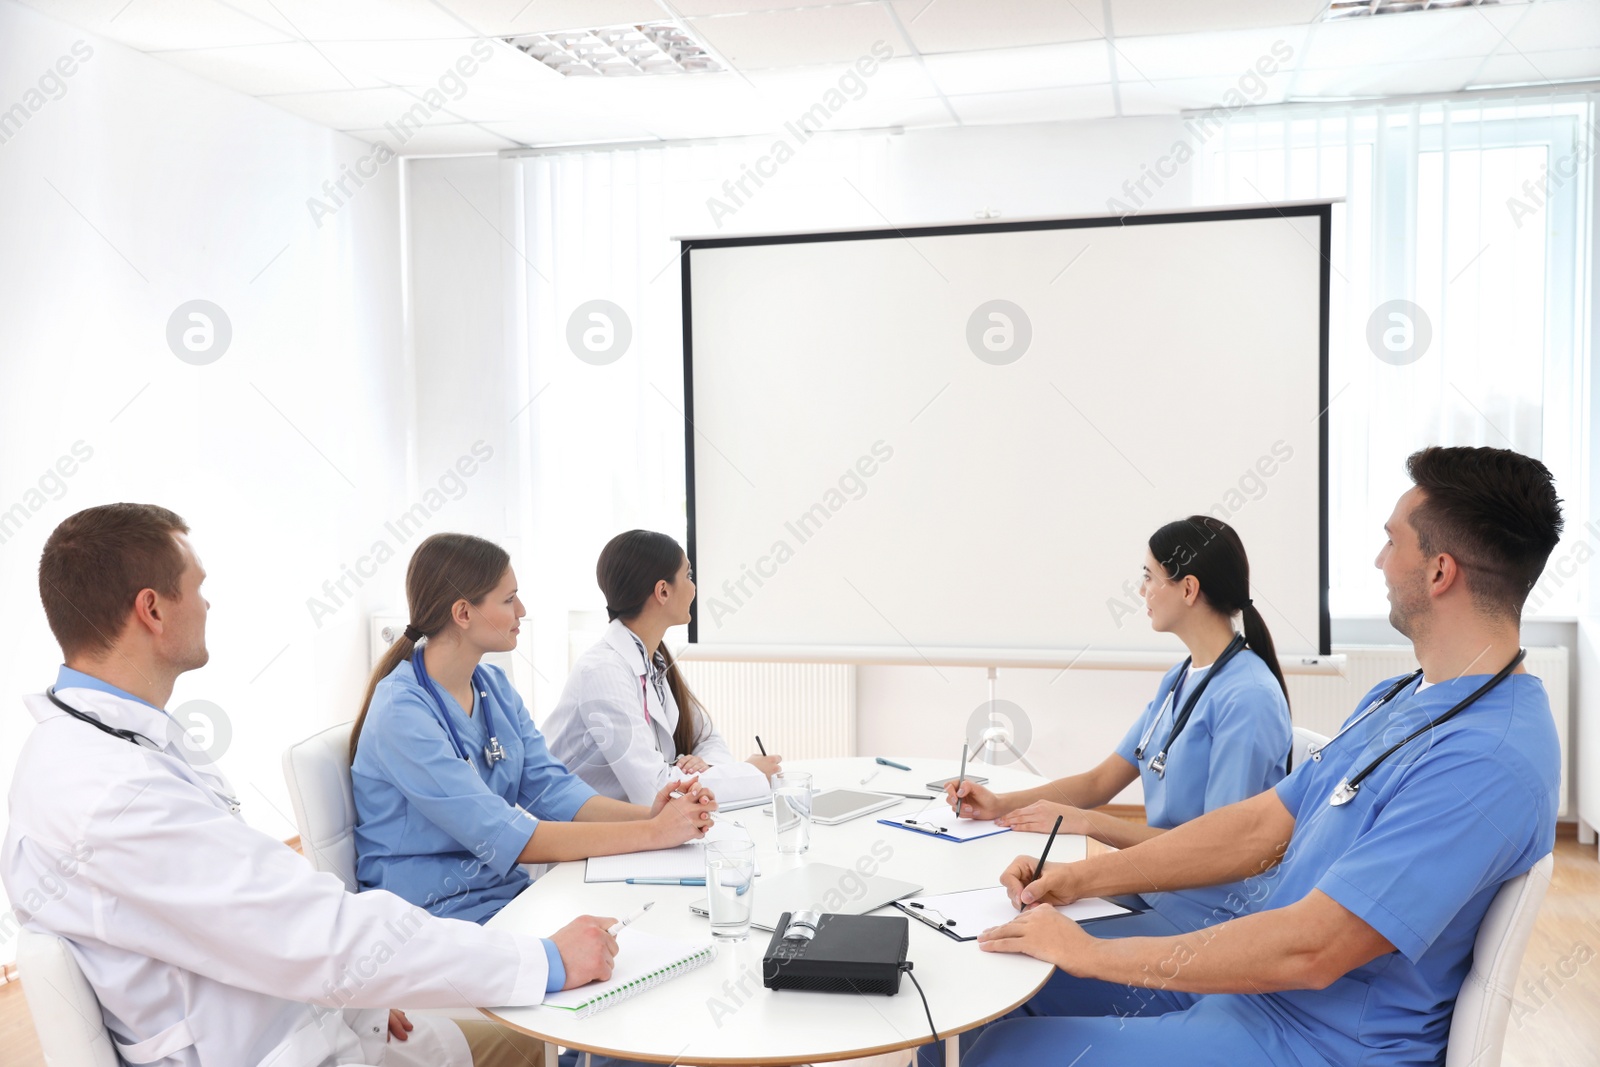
{"points": [[133, 738], [1158, 764], [493, 752], [1346, 791]]}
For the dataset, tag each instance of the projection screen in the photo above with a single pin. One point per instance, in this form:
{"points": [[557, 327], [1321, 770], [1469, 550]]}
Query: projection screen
{"points": [[961, 437]]}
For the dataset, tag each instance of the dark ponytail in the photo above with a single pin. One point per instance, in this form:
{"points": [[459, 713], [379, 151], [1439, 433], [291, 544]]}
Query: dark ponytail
{"points": [[630, 566], [445, 568], [1210, 550]]}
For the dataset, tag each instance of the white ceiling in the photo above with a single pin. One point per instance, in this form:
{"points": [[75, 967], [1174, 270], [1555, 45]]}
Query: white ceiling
{"points": [[356, 65]]}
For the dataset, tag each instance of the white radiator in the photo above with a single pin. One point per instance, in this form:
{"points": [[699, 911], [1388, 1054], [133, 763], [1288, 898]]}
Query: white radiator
{"points": [[1322, 702], [800, 710]]}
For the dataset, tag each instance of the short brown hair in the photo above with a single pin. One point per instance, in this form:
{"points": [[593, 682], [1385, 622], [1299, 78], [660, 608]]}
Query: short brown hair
{"points": [[96, 562], [1495, 511]]}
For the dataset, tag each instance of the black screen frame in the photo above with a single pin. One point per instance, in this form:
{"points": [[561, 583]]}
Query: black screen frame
{"points": [[1322, 211]]}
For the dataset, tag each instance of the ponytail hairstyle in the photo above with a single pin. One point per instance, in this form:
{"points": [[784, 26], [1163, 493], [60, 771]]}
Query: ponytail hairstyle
{"points": [[1210, 550], [445, 568], [630, 566]]}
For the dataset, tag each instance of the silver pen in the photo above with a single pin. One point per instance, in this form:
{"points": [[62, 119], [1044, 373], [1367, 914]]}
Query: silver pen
{"points": [[616, 927]]}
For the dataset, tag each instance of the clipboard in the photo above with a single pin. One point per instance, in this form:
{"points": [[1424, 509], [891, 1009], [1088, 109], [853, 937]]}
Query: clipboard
{"points": [[963, 916], [944, 824]]}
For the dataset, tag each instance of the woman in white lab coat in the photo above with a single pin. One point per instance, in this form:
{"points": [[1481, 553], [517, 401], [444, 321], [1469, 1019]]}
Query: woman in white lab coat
{"points": [[627, 723]]}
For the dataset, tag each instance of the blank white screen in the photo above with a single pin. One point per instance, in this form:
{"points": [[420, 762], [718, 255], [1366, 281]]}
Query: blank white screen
{"points": [[1174, 368]]}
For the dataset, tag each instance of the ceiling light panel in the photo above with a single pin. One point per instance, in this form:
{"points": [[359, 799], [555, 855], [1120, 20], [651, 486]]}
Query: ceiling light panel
{"points": [[642, 48], [1357, 9]]}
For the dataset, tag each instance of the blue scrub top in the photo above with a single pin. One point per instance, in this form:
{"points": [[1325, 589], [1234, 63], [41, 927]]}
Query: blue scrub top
{"points": [[443, 833], [1418, 855], [1234, 746]]}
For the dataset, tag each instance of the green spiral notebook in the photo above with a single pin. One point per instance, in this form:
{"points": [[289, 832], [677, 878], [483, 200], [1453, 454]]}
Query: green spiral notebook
{"points": [[643, 962]]}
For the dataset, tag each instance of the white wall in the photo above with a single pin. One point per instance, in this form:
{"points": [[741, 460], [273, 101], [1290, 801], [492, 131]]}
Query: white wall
{"points": [[139, 188]]}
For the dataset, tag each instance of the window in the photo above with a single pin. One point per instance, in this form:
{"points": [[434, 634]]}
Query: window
{"points": [[1459, 268]]}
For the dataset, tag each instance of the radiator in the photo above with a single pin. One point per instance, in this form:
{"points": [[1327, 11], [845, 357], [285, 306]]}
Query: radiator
{"points": [[800, 710], [1322, 702]]}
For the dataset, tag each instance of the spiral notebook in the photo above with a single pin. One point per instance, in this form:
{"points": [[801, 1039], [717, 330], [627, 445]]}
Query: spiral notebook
{"points": [[643, 962]]}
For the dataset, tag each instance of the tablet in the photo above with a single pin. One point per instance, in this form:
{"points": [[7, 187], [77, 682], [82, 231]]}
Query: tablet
{"points": [[832, 806]]}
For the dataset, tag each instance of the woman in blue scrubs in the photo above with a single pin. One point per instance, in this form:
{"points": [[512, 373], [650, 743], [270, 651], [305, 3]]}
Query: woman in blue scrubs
{"points": [[1216, 732], [454, 786]]}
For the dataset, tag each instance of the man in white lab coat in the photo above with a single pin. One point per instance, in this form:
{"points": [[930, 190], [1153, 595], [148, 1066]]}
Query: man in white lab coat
{"points": [[208, 942]]}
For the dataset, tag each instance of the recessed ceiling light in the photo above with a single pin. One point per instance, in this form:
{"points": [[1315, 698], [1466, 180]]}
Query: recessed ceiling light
{"points": [[619, 51], [1351, 9]]}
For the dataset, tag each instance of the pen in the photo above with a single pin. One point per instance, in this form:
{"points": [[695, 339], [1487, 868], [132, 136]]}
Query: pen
{"points": [[759, 745], [892, 763], [616, 927], [962, 779], [908, 796], [870, 777], [1039, 868], [665, 881]]}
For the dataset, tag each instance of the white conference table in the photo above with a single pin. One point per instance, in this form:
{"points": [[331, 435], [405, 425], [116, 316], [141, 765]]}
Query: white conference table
{"points": [[721, 1014]]}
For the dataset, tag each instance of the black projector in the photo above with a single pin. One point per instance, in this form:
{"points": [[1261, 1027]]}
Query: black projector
{"points": [[827, 953]]}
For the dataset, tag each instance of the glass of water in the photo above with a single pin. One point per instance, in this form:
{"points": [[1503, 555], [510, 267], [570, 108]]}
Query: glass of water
{"points": [[730, 887], [791, 810]]}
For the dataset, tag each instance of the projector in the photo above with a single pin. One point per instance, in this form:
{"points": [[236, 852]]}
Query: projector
{"points": [[826, 953]]}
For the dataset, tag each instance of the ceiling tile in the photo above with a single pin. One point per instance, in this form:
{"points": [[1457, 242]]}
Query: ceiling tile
{"points": [[1231, 52], [165, 24], [800, 87], [510, 18], [444, 138], [360, 109], [370, 20], [413, 62], [1536, 68], [1555, 24], [801, 36], [1427, 76], [268, 68], [1443, 34], [1140, 18], [691, 8], [1033, 67], [1035, 105], [968, 25]]}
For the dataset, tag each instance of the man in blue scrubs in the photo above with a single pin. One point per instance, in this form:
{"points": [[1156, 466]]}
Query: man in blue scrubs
{"points": [[1370, 907]]}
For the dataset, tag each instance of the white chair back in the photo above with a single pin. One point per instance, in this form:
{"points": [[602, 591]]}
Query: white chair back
{"points": [[1483, 1007], [1300, 751], [318, 773], [66, 1013]]}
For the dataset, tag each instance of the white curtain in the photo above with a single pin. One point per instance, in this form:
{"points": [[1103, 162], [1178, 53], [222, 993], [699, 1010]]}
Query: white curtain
{"points": [[604, 441], [1475, 215]]}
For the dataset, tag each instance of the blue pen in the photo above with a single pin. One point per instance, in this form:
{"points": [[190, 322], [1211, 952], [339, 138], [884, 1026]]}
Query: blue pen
{"points": [[665, 881], [892, 763]]}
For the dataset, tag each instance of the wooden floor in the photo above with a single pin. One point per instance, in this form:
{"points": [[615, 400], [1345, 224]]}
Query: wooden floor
{"points": [[1554, 1023]]}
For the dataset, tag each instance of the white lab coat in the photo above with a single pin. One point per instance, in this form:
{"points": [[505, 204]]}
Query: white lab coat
{"points": [[613, 731], [208, 942]]}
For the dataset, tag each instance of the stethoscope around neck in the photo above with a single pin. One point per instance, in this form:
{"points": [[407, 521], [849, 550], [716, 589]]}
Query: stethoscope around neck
{"points": [[136, 739], [492, 752], [1347, 788], [1158, 762]]}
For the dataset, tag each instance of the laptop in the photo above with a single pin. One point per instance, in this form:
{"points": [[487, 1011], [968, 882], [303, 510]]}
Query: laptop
{"points": [[819, 886]]}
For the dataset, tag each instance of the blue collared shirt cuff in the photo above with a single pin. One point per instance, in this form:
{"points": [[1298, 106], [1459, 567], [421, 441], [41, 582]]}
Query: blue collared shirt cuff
{"points": [[558, 970]]}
